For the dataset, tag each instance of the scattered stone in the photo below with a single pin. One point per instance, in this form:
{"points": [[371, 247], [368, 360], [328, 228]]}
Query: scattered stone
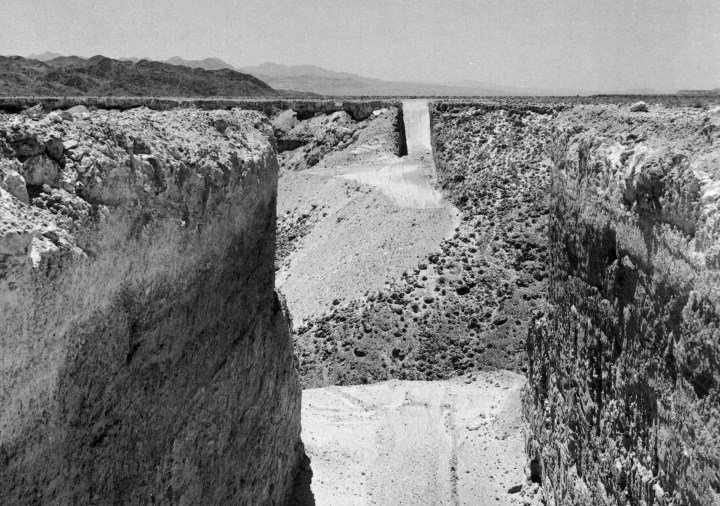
{"points": [[54, 148], [39, 170], [462, 290], [12, 182], [639, 107], [77, 110], [220, 125], [499, 320]]}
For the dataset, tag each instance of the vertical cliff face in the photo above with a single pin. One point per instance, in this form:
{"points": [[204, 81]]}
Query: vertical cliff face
{"points": [[145, 356], [623, 401]]}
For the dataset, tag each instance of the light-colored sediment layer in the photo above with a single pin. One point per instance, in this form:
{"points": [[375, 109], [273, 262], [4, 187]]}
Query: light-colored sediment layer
{"points": [[413, 443]]}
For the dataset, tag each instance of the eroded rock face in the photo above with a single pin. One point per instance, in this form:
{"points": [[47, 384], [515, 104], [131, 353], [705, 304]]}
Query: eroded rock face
{"points": [[146, 357], [624, 397]]}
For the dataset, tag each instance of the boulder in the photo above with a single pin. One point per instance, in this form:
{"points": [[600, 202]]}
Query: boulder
{"points": [[12, 182], [39, 170], [77, 110], [54, 148], [639, 107], [284, 122], [70, 144], [55, 117], [66, 115], [220, 125], [26, 144]]}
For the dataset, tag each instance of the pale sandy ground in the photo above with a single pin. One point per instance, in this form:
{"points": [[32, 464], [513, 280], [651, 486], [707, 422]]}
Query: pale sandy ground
{"points": [[416, 443], [403, 181], [381, 219]]}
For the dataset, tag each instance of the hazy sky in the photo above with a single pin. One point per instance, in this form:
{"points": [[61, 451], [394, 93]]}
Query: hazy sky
{"points": [[572, 44]]}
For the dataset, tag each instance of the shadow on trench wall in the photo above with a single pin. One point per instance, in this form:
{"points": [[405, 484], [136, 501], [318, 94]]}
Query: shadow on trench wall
{"points": [[302, 492]]}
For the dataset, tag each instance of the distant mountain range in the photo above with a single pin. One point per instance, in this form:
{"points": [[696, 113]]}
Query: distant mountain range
{"points": [[47, 55], [708, 93], [328, 82], [101, 76], [207, 63], [310, 79], [313, 79]]}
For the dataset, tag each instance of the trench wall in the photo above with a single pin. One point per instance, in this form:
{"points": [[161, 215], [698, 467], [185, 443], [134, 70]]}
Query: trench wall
{"points": [[146, 358], [614, 213], [623, 400]]}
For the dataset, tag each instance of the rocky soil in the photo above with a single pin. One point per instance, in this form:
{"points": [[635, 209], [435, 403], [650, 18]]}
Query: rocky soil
{"points": [[324, 225], [476, 288], [145, 358], [337, 139], [624, 397]]}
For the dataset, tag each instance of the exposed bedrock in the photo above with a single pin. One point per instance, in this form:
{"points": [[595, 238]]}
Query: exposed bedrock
{"points": [[624, 399], [144, 355]]}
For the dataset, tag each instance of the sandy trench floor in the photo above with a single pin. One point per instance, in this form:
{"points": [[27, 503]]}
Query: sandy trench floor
{"points": [[416, 443], [456, 442]]}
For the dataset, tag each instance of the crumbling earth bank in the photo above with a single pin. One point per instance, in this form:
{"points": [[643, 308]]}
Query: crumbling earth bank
{"points": [[625, 360], [145, 356]]}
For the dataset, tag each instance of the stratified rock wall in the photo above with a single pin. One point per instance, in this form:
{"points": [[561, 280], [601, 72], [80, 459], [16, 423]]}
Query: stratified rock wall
{"points": [[624, 396], [145, 356]]}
